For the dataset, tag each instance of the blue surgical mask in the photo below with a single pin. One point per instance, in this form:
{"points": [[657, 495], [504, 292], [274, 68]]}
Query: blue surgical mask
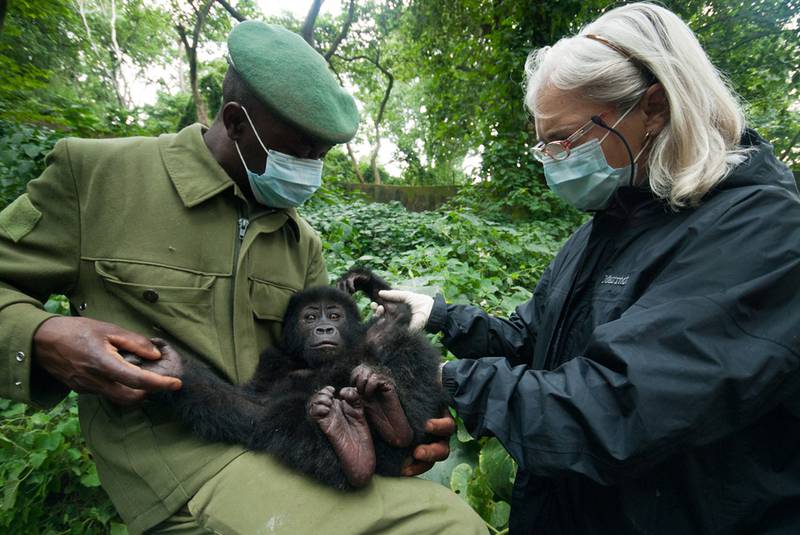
{"points": [[585, 179], [287, 181]]}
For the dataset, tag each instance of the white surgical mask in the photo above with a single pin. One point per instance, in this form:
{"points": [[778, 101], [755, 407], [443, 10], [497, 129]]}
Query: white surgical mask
{"points": [[287, 181]]}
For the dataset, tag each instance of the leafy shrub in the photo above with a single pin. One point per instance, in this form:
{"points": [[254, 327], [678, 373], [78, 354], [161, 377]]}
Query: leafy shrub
{"points": [[50, 481], [22, 152]]}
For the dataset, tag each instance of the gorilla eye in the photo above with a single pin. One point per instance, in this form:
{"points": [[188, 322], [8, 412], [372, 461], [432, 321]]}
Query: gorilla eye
{"points": [[311, 317], [334, 316]]}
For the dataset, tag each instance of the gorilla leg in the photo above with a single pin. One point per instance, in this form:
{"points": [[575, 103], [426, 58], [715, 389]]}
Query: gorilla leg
{"points": [[343, 422], [382, 406]]}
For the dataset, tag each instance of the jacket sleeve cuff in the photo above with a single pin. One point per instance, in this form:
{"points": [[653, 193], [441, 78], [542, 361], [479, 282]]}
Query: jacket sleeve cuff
{"points": [[438, 315], [449, 382], [22, 380]]}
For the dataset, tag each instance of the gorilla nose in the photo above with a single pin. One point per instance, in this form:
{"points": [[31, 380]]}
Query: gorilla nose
{"points": [[326, 330]]}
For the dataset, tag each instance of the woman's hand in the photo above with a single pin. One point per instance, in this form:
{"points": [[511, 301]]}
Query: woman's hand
{"points": [[421, 306]]}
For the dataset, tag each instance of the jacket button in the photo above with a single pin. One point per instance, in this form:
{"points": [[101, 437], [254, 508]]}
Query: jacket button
{"points": [[151, 296], [20, 356], [82, 307]]}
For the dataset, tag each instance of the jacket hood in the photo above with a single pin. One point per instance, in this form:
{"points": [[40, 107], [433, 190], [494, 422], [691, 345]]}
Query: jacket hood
{"points": [[761, 168]]}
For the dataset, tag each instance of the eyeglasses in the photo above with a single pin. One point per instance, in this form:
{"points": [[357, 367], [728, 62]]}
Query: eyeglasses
{"points": [[559, 150]]}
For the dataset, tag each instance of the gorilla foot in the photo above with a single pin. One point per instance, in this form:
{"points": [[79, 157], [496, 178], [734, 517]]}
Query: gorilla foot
{"points": [[343, 422], [382, 406]]}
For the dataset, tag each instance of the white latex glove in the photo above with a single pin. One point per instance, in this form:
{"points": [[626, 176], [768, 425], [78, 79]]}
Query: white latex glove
{"points": [[421, 306]]}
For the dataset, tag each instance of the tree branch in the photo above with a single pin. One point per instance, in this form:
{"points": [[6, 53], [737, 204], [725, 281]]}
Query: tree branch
{"points": [[201, 19], [232, 10], [311, 19], [377, 62], [351, 13], [349, 147]]}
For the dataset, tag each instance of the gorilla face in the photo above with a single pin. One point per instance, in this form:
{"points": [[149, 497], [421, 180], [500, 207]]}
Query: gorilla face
{"points": [[321, 325]]}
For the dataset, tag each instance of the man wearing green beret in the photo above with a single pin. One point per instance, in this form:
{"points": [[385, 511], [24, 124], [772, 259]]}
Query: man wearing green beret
{"points": [[190, 236]]}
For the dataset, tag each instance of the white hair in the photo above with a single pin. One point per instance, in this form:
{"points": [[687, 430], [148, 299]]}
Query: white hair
{"points": [[699, 145]]}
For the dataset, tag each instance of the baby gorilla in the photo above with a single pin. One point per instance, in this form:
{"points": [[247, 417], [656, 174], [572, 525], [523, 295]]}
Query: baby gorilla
{"points": [[336, 399]]}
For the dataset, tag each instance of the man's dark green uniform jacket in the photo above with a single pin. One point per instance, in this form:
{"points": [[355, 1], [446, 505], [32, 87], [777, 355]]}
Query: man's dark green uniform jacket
{"points": [[150, 234]]}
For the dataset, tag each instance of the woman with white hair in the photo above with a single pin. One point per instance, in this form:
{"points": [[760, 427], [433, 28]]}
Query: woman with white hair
{"points": [[651, 384]]}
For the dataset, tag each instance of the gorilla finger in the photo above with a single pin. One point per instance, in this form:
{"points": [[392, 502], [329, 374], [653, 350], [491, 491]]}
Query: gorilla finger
{"points": [[324, 393], [321, 401], [374, 382], [132, 358], [320, 410]]}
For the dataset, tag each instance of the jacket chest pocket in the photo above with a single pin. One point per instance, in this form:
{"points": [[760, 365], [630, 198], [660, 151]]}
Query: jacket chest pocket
{"points": [[268, 301], [174, 301]]}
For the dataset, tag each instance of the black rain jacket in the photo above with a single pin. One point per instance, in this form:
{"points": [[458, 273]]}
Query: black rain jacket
{"points": [[652, 383]]}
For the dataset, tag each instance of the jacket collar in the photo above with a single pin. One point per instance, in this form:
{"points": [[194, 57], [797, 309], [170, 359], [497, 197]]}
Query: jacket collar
{"points": [[196, 175]]}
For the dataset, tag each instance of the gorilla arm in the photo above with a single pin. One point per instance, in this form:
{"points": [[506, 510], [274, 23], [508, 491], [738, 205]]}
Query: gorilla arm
{"points": [[214, 408]]}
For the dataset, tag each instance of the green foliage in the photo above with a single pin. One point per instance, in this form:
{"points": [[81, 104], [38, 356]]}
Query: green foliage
{"points": [[22, 152], [470, 258], [50, 481], [61, 66]]}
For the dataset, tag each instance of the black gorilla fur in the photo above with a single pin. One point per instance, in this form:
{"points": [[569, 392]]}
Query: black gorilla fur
{"points": [[272, 412]]}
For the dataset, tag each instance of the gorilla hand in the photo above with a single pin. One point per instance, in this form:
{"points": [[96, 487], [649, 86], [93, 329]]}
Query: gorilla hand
{"points": [[170, 364], [421, 306]]}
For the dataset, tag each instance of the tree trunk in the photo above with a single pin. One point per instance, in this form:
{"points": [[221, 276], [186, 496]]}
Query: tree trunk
{"points": [[201, 113], [199, 104], [376, 176], [355, 163]]}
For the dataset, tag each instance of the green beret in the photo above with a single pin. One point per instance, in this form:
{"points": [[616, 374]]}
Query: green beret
{"points": [[292, 80]]}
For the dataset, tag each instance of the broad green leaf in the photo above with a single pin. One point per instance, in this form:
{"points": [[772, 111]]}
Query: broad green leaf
{"points": [[90, 478], [37, 458], [500, 514], [498, 467], [10, 493], [49, 441], [459, 480], [462, 433]]}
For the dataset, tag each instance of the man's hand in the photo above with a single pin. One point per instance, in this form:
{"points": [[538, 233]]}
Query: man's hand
{"points": [[421, 306], [425, 455], [84, 354]]}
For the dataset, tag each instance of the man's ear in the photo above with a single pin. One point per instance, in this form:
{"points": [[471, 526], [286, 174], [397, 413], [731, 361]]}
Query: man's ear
{"points": [[234, 120], [656, 108]]}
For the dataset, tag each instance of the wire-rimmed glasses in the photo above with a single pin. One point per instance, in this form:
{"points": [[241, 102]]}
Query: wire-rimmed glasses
{"points": [[559, 150]]}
